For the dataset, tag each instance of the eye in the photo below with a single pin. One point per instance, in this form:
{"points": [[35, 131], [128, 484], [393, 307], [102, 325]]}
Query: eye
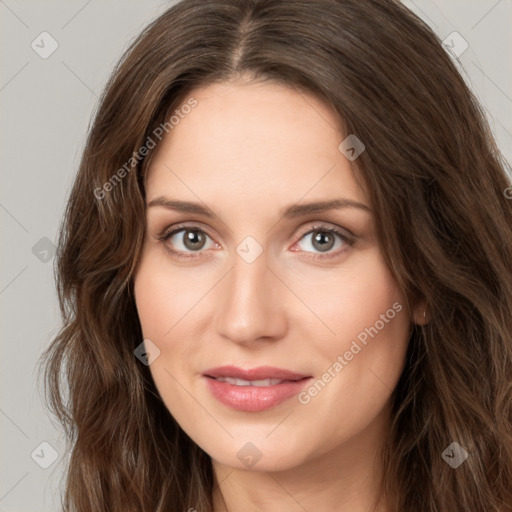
{"points": [[325, 241], [188, 242], [186, 239]]}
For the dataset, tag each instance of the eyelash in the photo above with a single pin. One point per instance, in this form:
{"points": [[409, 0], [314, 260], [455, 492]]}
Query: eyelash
{"points": [[168, 233]]}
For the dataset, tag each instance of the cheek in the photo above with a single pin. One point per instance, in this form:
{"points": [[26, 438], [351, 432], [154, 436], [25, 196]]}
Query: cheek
{"points": [[361, 360], [165, 294], [374, 328], [162, 298], [351, 299]]}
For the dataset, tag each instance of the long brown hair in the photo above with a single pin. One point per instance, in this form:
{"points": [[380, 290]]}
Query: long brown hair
{"points": [[436, 181]]}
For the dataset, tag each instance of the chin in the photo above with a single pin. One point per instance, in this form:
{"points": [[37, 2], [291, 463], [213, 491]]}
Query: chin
{"points": [[267, 463], [259, 455]]}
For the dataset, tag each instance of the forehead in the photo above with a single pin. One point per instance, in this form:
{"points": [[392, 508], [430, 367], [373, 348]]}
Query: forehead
{"points": [[244, 139]]}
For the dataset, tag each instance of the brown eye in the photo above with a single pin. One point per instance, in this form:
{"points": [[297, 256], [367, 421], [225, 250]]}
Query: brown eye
{"points": [[193, 239]]}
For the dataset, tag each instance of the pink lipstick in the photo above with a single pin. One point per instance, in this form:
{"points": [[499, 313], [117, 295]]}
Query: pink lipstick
{"points": [[255, 389]]}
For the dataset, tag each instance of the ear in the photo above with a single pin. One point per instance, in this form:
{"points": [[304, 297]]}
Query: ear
{"points": [[421, 314]]}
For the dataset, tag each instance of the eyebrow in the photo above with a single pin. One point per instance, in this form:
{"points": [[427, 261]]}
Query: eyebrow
{"points": [[292, 211]]}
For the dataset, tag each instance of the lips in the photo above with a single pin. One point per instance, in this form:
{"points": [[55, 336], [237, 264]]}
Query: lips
{"points": [[255, 389]]}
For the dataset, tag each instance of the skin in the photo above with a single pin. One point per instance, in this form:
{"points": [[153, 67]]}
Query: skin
{"points": [[247, 150]]}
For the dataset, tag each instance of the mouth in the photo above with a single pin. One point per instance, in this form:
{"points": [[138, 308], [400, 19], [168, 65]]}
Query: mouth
{"points": [[253, 390], [242, 382]]}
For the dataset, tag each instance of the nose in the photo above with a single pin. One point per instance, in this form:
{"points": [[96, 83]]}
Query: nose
{"points": [[251, 303]]}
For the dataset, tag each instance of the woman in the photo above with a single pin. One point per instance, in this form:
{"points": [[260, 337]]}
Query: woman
{"points": [[285, 272]]}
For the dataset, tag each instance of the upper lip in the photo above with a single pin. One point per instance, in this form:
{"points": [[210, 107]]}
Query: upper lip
{"points": [[250, 374]]}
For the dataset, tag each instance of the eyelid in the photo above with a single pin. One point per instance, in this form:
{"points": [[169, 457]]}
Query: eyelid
{"points": [[321, 225], [182, 226]]}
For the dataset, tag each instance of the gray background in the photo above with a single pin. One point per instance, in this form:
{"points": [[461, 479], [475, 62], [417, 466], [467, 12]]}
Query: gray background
{"points": [[46, 107]]}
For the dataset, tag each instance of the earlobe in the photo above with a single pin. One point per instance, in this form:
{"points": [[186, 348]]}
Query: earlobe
{"points": [[421, 316]]}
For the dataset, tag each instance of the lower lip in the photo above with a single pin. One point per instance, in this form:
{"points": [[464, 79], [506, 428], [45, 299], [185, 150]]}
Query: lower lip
{"points": [[254, 398]]}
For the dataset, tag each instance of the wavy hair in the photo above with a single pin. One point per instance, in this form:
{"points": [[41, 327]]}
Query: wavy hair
{"points": [[438, 185]]}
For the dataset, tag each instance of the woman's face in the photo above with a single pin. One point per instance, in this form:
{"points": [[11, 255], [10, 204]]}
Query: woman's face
{"points": [[271, 270]]}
